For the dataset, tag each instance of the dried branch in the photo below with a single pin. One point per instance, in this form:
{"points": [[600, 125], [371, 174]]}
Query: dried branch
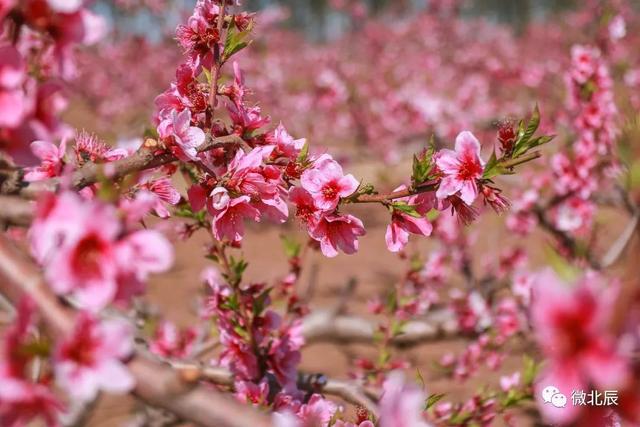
{"points": [[156, 384], [564, 239], [325, 326], [147, 157], [349, 392], [353, 394], [618, 247], [15, 211]]}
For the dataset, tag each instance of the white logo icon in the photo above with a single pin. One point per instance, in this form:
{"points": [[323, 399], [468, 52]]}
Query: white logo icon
{"points": [[559, 400], [551, 394]]}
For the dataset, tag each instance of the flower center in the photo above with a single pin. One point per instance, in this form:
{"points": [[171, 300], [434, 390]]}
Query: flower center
{"points": [[330, 191], [470, 169], [87, 256]]}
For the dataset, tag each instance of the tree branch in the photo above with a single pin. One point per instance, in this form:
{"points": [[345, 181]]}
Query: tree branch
{"points": [[15, 211], [349, 392], [156, 384], [325, 326], [381, 198], [147, 157]]}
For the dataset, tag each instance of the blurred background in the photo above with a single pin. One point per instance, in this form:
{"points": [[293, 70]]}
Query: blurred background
{"points": [[325, 19]]}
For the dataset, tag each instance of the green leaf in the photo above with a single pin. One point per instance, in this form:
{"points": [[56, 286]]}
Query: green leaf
{"points": [[523, 143], [260, 302], [432, 400], [561, 266], [150, 133], [423, 164], [533, 124], [530, 371], [304, 154], [433, 214], [490, 170], [291, 247], [237, 268], [235, 41], [406, 209], [207, 74], [634, 175]]}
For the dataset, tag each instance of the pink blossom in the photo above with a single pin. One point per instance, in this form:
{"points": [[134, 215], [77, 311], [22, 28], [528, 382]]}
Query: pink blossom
{"points": [[246, 119], [521, 287], [13, 102], [168, 341], [507, 318], [86, 264], [461, 168], [397, 235], [317, 412], [341, 423], [571, 325], [89, 359], [326, 183], [5, 7], [182, 137], [248, 176], [85, 254], [508, 382], [338, 232], [52, 160], [286, 146], [229, 214], [284, 354], [401, 404], [89, 148], [249, 392], [21, 402], [306, 210], [165, 192]]}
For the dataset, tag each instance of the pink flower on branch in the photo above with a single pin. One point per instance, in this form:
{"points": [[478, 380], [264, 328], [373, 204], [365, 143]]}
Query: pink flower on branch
{"points": [[90, 359], [52, 160], [403, 223], [326, 183], [13, 100], [87, 253], [338, 232], [461, 169], [229, 214], [401, 403], [21, 400], [182, 138]]}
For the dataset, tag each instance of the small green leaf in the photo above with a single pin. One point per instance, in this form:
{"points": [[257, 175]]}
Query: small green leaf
{"points": [[150, 133], [490, 170], [533, 124], [291, 247], [304, 153], [530, 371], [235, 42], [433, 214], [423, 164], [432, 400], [406, 209]]}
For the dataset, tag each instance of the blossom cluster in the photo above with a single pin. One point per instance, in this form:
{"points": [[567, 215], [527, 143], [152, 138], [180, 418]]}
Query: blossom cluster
{"points": [[36, 58], [87, 361]]}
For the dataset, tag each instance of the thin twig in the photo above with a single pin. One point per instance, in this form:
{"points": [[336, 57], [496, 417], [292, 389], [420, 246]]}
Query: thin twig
{"points": [[145, 158]]}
